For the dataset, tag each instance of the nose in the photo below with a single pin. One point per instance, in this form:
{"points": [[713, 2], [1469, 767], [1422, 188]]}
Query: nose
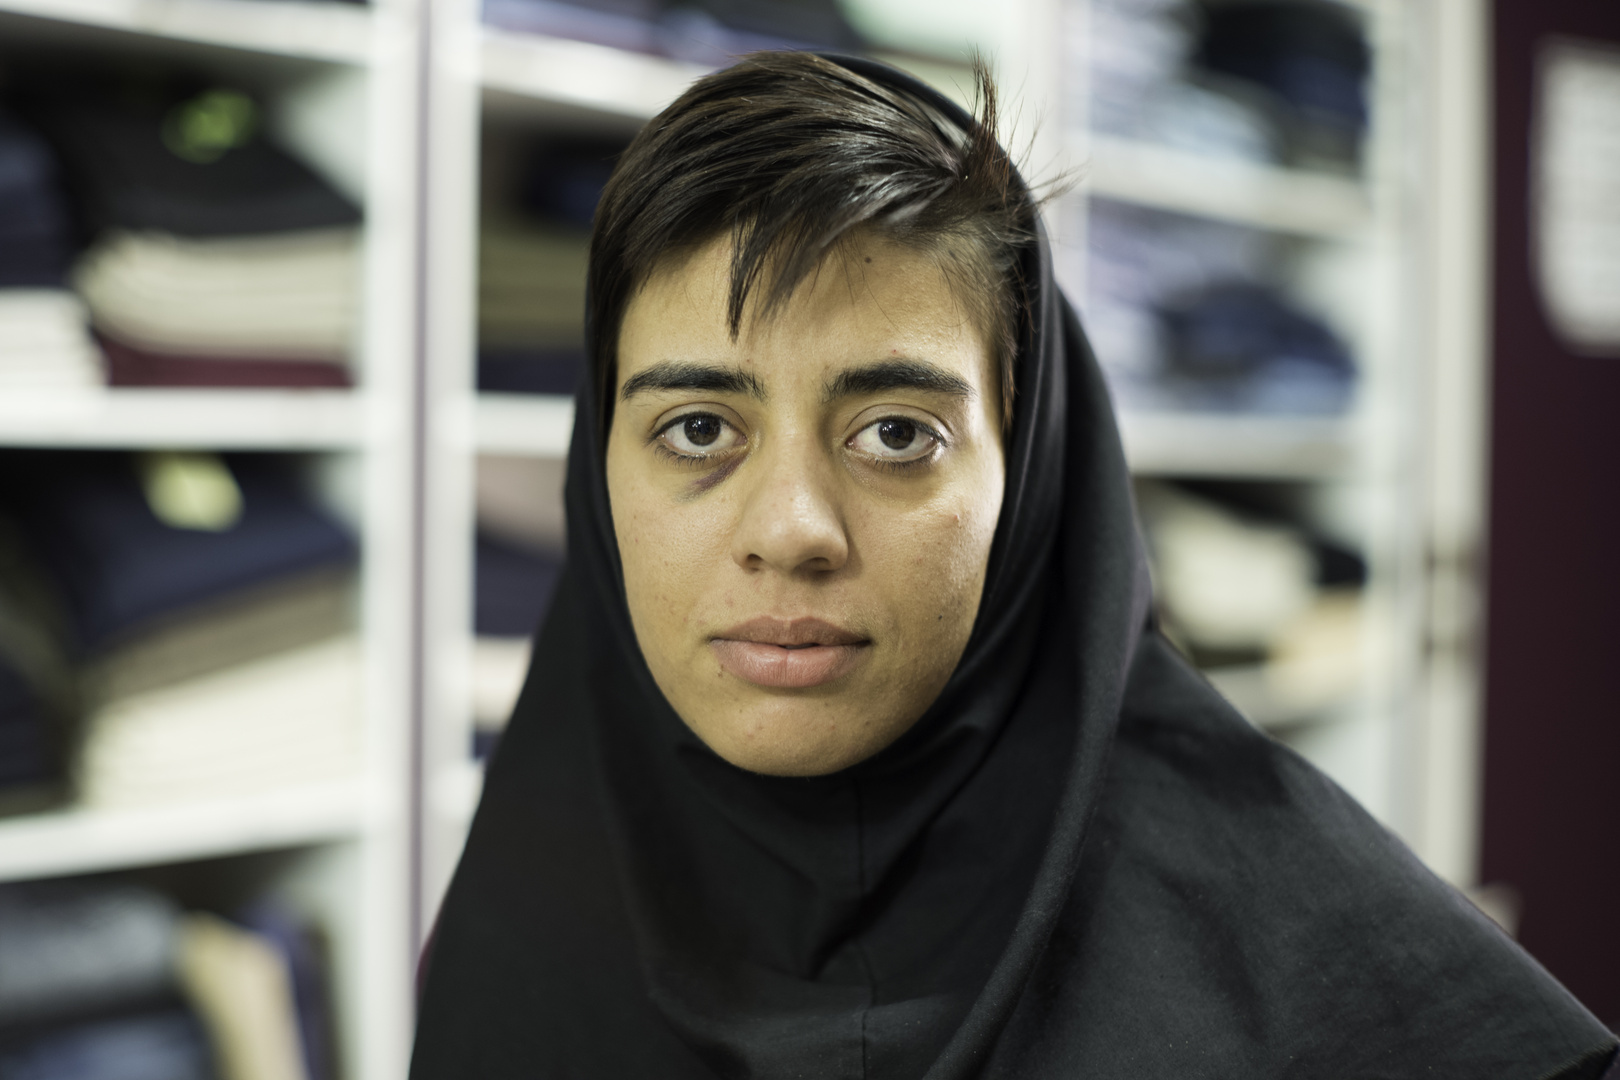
{"points": [[791, 518]]}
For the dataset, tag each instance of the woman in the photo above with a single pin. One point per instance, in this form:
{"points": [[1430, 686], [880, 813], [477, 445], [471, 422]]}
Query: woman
{"points": [[850, 748]]}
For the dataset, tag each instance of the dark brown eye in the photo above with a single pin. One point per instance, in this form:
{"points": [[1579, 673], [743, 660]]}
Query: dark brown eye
{"points": [[699, 435], [897, 440], [703, 430], [897, 434]]}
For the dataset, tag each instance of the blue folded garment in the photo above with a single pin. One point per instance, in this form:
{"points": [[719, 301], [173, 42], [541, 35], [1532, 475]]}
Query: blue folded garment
{"points": [[530, 371], [513, 586], [116, 566], [169, 1045], [26, 751], [304, 963], [36, 232], [68, 948], [1247, 348], [181, 158]]}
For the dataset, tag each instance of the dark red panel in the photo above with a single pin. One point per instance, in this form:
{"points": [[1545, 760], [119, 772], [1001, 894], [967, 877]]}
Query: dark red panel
{"points": [[1552, 740]]}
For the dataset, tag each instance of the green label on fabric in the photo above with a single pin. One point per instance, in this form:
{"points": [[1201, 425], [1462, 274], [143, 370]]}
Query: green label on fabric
{"points": [[202, 129], [190, 490]]}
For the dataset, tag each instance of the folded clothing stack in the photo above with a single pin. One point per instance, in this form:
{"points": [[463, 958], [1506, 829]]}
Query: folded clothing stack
{"points": [[44, 343], [1246, 591], [518, 560], [1272, 81], [209, 605], [109, 980], [26, 754], [1186, 313], [711, 32], [218, 259], [1308, 61], [276, 310], [531, 307]]}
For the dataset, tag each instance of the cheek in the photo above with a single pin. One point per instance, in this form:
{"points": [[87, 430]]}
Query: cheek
{"points": [[667, 549], [932, 563]]}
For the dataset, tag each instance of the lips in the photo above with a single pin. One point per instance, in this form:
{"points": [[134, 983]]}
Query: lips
{"points": [[788, 653]]}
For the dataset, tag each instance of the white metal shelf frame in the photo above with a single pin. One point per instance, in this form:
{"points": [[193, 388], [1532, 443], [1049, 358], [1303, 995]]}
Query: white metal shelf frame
{"points": [[302, 29], [354, 833], [83, 841], [192, 419]]}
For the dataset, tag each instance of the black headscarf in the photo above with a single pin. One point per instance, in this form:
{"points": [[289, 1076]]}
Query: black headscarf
{"points": [[1081, 862]]}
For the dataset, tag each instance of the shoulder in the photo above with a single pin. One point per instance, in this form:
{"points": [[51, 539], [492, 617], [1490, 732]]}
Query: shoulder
{"points": [[1236, 913]]}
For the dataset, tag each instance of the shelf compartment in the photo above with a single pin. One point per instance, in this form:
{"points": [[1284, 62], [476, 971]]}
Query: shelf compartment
{"points": [[304, 29], [532, 424], [85, 841], [182, 418], [581, 75], [1285, 200], [1238, 446]]}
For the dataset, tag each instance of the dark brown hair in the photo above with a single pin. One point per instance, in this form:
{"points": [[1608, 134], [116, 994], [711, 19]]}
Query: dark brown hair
{"points": [[792, 154]]}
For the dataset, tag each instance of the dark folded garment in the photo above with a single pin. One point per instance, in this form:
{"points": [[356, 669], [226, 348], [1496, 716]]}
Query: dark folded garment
{"points": [[1246, 347], [71, 948], [129, 366], [36, 233], [308, 972], [530, 371], [513, 588], [564, 177], [625, 24], [1314, 56], [166, 1045], [26, 750], [116, 566], [193, 163], [718, 31]]}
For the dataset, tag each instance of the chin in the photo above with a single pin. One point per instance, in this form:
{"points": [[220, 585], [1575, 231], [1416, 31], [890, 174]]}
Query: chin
{"points": [[797, 738]]}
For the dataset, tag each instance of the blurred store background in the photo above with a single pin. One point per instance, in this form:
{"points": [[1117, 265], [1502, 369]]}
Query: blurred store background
{"points": [[290, 297]]}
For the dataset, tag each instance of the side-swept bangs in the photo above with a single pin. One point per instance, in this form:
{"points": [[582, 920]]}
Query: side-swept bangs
{"points": [[793, 154]]}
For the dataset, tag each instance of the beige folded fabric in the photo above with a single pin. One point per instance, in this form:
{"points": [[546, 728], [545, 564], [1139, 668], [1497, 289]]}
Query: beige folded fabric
{"points": [[246, 626], [45, 342], [290, 719], [499, 667], [240, 986], [291, 296], [531, 284], [520, 500]]}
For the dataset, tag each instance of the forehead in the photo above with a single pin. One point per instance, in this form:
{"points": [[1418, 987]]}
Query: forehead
{"points": [[869, 299]]}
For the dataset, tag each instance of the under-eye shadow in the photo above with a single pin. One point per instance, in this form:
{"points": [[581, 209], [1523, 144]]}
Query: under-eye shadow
{"points": [[709, 480]]}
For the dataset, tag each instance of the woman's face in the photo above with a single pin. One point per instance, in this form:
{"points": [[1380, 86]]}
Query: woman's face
{"points": [[804, 514]]}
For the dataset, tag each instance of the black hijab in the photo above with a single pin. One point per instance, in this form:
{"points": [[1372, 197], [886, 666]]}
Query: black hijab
{"points": [[1081, 862]]}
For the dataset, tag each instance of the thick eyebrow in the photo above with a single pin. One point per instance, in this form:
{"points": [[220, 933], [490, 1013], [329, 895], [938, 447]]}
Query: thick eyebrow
{"points": [[896, 375], [679, 375]]}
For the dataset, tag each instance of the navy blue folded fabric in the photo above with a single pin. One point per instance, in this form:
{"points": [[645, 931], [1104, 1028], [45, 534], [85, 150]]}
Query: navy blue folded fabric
{"points": [[70, 949], [712, 32], [116, 566], [530, 371], [1313, 56], [1245, 347], [36, 232], [278, 926], [169, 1045], [513, 588], [564, 177], [192, 161], [25, 754]]}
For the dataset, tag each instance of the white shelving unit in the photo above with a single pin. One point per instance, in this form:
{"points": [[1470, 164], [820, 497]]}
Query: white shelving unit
{"points": [[340, 83], [190, 419], [1404, 465]]}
